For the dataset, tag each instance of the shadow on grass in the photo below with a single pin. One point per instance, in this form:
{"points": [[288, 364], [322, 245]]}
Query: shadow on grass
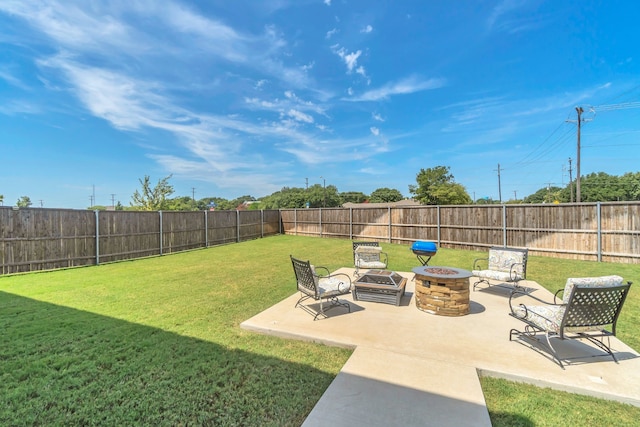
{"points": [[62, 366]]}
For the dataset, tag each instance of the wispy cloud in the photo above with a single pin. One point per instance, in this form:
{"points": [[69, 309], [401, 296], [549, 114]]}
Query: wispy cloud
{"points": [[511, 16], [402, 87], [367, 29], [377, 117]]}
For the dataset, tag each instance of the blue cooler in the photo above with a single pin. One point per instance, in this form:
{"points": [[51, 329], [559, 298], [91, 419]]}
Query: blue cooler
{"points": [[424, 251]]}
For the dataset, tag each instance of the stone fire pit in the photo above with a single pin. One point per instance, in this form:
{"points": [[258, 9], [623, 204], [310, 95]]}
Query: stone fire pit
{"points": [[442, 290]]}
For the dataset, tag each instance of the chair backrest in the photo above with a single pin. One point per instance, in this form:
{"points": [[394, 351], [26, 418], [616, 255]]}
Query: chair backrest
{"points": [[589, 306], [502, 259], [589, 282], [306, 280], [357, 244]]}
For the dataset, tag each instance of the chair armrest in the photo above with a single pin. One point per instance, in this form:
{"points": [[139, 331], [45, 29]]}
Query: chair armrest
{"points": [[522, 293], [514, 276], [475, 263], [556, 296], [325, 271], [346, 281], [384, 257]]}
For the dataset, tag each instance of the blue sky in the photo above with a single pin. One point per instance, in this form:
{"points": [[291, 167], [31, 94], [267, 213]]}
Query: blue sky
{"points": [[246, 97]]}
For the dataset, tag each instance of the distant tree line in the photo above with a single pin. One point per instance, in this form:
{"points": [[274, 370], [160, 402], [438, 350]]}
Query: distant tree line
{"points": [[594, 187], [434, 186]]}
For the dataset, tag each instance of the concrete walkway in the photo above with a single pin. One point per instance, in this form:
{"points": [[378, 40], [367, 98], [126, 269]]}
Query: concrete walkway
{"points": [[412, 368]]}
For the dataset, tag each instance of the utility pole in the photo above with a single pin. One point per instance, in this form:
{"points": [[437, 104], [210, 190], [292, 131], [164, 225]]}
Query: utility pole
{"points": [[570, 180], [306, 193], [515, 195], [499, 189], [324, 192], [549, 191], [579, 110], [113, 200]]}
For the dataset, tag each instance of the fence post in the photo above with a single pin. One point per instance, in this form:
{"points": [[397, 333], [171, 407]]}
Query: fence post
{"points": [[320, 216], [438, 221], [237, 226], [261, 223], [350, 223], [97, 238], [389, 214], [206, 229], [160, 216], [295, 220], [599, 215], [504, 225]]}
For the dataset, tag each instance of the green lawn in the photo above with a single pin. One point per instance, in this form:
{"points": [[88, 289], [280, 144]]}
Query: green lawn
{"points": [[157, 342]]}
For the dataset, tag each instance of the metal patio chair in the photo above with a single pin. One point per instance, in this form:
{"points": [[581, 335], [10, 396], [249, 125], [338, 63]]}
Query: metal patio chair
{"points": [[369, 255], [589, 310], [507, 265], [318, 284]]}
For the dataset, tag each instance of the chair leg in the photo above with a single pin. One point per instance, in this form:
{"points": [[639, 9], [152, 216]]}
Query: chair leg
{"points": [[600, 344], [481, 281], [335, 302], [530, 334]]}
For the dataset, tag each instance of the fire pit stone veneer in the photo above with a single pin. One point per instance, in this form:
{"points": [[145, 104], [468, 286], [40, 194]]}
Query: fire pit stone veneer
{"points": [[442, 290]]}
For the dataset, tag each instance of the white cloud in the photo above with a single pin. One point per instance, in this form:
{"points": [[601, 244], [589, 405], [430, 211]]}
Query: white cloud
{"points": [[300, 116], [377, 117], [327, 2], [402, 87], [504, 17], [374, 130], [367, 29], [330, 33], [350, 59]]}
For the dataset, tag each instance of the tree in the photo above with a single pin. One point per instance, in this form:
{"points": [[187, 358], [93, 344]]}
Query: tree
{"points": [[24, 202], [547, 194], [353, 197], [437, 187], [1, 200], [602, 187], [152, 199], [287, 197], [184, 203], [631, 182], [385, 195]]}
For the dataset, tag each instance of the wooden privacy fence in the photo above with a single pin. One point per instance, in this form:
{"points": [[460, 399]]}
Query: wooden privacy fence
{"points": [[588, 231], [43, 239]]}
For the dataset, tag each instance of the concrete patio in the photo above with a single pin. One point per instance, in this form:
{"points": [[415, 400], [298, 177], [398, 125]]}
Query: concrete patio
{"points": [[413, 368]]}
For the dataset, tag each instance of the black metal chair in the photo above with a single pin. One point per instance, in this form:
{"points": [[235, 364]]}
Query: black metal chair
{"points": [[589, 305], [507, 265], [369, 255], [323, 287]]}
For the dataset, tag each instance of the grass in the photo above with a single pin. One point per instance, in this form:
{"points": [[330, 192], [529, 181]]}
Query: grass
{"points": [[157, 342]]}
